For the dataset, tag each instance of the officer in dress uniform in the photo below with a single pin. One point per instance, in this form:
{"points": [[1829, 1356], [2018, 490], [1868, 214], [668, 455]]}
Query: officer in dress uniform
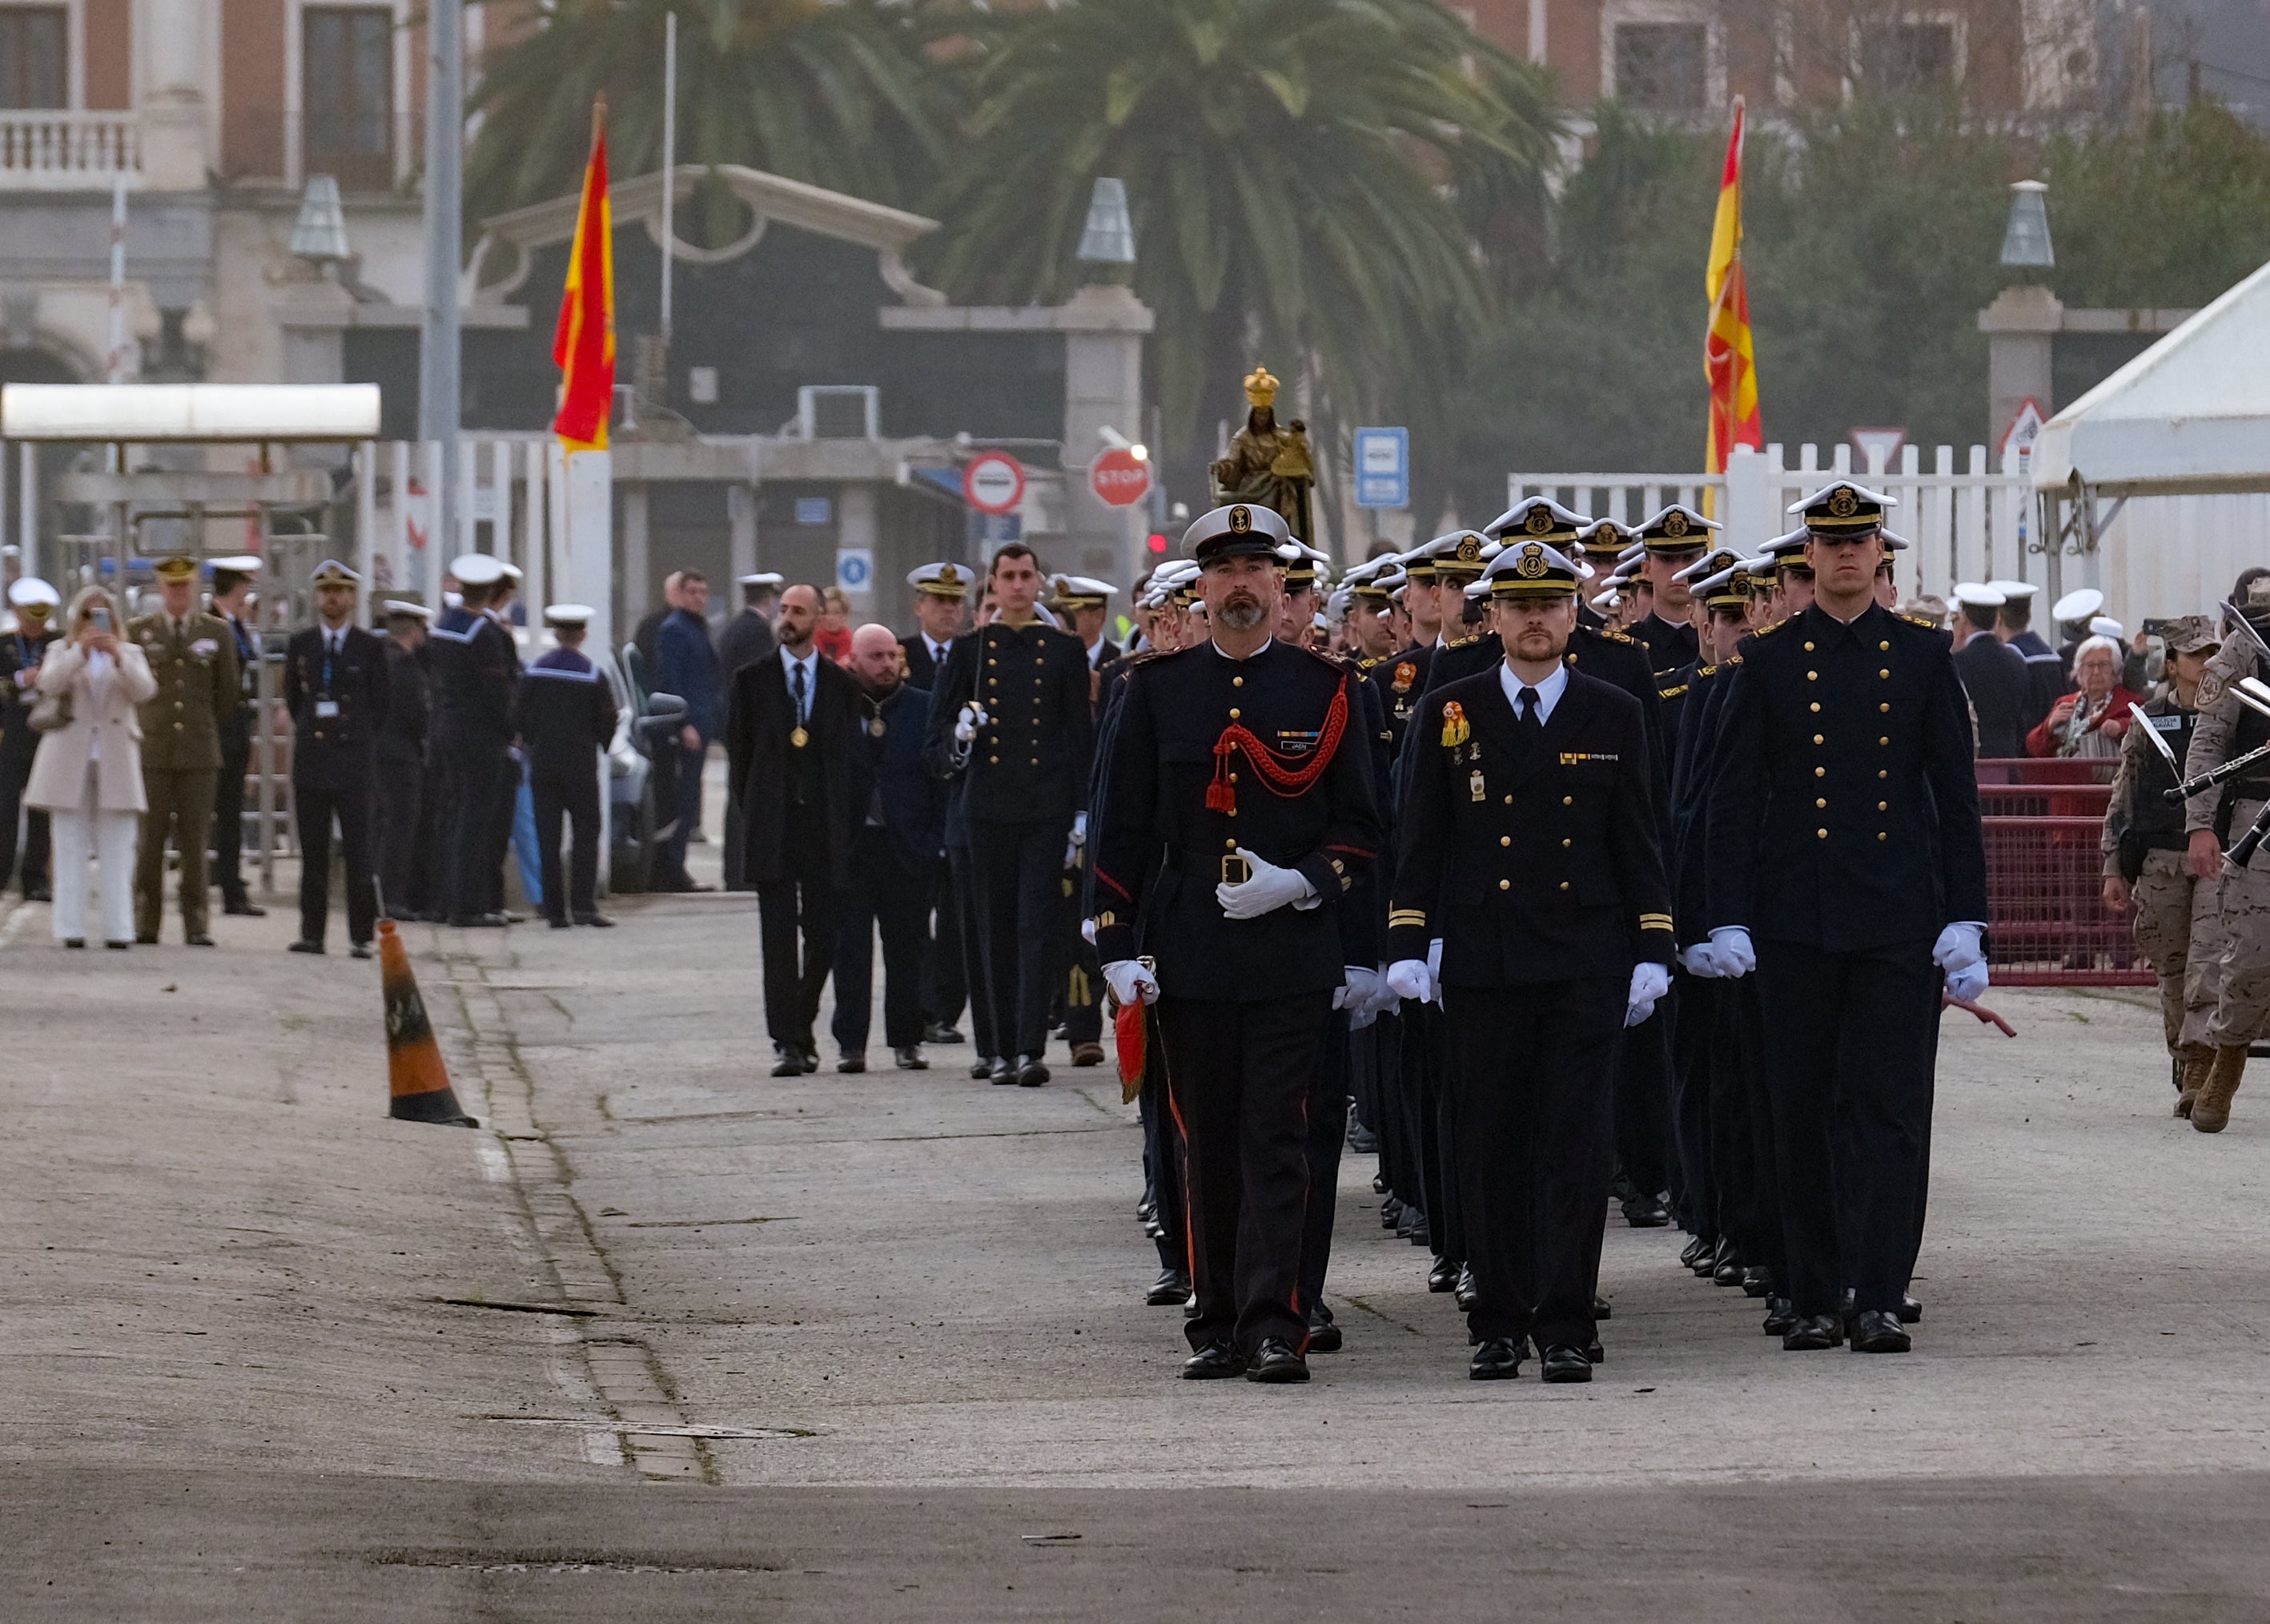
{"points": [[1237, 815], [403, 770], [1527, 843], [1674, 539], [564, 714], [34, 601], [1080, 603], [336, 692], [1845, 865], [231, 590], [192, 658], [475, 666], [1407, 667], [2045, 671], [1993, 674], [941, 594], [1011, 718]]}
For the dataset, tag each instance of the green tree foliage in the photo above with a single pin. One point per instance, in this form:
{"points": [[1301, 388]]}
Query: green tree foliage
{"points": [[2168, 215]]}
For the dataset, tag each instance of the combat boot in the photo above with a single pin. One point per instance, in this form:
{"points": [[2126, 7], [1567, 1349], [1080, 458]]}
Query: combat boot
{"points": [[2195, 1068], [2211, 1110]]}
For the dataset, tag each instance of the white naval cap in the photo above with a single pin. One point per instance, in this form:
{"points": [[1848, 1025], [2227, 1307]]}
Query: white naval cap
{"points": [[568, 614], [30, 592], [476, 569], [2014, 591], [1713, 560], [2105, 626], [760, 578], [1978, 595], [402, 606], [2077, 605], [941, 580]]}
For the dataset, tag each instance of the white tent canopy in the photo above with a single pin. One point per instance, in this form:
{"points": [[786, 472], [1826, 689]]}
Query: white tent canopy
{"points": [[2189, 416]]}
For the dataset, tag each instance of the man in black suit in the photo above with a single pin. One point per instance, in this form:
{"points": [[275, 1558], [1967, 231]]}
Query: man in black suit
{"points": [[746, 639], [1994, 673], [791, 743], [564, 714], [335, 690], [1845, 863], [1527, 842], [894, 858], [1010, 718], [401, 775], [941, 592]]}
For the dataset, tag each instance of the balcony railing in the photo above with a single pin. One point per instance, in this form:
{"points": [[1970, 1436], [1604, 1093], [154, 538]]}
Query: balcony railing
{"points": [[58, 150]]}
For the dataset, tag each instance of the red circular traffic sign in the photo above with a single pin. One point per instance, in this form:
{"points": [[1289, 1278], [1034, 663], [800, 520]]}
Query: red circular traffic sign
{"points": [[1119, 478], [993, 482]]}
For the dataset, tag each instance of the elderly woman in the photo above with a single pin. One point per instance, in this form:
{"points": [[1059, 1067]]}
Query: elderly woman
{"points": [[834, 634], [2090, 724], [87, 773]]}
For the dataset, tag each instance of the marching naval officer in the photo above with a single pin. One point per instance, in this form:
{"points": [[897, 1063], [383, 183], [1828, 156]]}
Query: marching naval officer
{"points": [[564, 714], [335, 691]]}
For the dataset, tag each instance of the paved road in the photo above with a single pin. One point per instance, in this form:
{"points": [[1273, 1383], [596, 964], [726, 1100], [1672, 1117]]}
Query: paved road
{"points": [[879, 1339]]}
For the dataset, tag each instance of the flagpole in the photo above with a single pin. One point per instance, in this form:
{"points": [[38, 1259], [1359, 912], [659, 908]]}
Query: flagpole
{"points": [[669, 160], [439, 356]]}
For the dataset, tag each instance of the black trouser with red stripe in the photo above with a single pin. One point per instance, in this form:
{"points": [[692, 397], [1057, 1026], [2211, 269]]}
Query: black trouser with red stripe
{"points": [[1239, 1078]]}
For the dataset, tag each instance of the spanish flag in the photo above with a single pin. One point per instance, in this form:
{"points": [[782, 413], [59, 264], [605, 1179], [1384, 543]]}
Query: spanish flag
{"points": [[584, 345], [1729, 360]]}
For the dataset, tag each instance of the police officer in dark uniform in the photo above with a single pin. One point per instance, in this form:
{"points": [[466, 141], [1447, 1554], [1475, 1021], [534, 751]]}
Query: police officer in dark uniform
{"points": [[564, 714], [1674, 539], [1237, 815], [232, 587], [402, 764], [1011, 718], [475, 669], [335, 690], [1527, 842], [1846, 866], [21, 651]]}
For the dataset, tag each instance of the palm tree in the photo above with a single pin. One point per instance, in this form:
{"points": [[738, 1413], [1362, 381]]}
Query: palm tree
{"points": [[1293, 168], [837, 95]]}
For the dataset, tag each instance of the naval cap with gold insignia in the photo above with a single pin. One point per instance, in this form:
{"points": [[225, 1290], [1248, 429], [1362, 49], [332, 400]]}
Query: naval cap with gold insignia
{"points": [[1709, 564], [1242, 530], [950, 581], [1790, 548], [1304, 566], [1460, 553], [1842, 509], [1604, 538], [331, 572], [1069, 592], [1538, 518], [1730, 587], [1677, 529], [180, 567], [476, 569], [1526, 569]]}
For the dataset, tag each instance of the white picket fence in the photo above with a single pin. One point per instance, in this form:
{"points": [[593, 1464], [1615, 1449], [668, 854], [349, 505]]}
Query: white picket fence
{"points": [[1968, 526], [512, 503]]}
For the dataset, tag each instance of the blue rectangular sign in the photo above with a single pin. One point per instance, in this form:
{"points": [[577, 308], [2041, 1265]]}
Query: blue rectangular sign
{"points": [[1383, 468]]}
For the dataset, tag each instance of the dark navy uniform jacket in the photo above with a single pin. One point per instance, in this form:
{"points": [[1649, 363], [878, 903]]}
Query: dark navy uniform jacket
{"points": [[339, 705], [1843, 804], [474, 664], [401, 735], [1994, 676], [1159, 849], [1030, 763], [563, 711], [1607, 653], [1534, 856], [1670, 644]]}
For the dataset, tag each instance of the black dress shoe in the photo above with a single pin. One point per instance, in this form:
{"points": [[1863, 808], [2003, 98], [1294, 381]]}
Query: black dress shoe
{"points": [[304, 945], [1390, 1214], [1087, 1054], [1324, 1336], [1361, 1140], [1706, 1264], [1646, 1212], [1809, 1332], [1780, 1315], [811, 1059], [1030, 1072], [1171, 1289], [787, 1062], [1911, 1311], [558, 922], [1466, 1293], [358, 950], [1154, 1229], [243, 907], [1757, 1281], [852, 1063], [1693, 1252], [1276, 1359], [141, 939], [597, 922], [1443, 1276], [1147, 1208], [1001, 1070], [1212, 1362], [982, 1067], [1497, 1359], [1879, 1331], [1420, 1236], [38, 893], [909, 1059], [120, 946], [1594, 1351], [1729, 1269], [1602, 1309], [938, 1032], [1565, 1364], [200, 939], [74, 941]]}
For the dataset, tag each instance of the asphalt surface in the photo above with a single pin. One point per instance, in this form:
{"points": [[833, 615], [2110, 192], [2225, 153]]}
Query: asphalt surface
{"points": [[273, 1356]]}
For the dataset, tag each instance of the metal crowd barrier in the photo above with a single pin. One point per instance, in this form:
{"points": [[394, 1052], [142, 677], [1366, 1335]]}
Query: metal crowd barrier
{"points": [[2047, 922]]}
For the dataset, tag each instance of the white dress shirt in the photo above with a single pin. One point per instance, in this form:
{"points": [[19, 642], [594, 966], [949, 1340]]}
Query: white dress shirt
{"points": [[1548, 691], [810, 664]]}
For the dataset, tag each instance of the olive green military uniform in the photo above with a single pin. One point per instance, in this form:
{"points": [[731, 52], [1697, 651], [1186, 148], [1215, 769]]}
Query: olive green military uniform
{"points": [[193, 660]]}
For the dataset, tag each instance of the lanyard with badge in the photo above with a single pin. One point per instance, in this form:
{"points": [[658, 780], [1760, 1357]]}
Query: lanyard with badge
{"points": [[327, 708]]}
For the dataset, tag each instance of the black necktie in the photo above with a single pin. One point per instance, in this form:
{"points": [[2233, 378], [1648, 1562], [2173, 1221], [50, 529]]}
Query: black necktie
{"points": [[797, 668], [1529, 718]]}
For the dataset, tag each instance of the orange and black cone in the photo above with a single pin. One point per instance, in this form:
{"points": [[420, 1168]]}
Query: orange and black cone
{"points": [[415, 1077]]}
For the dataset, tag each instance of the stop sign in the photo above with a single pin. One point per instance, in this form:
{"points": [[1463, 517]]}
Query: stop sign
{"points": [[1118, 479], [994, 482]]}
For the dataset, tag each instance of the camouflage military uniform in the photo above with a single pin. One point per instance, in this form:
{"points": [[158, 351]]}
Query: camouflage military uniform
{"points": [[2240, 899], [2169, 900]]}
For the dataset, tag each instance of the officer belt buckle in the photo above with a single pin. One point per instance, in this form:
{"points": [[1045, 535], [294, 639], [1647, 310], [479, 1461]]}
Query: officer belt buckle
{"points": [[1235, 870]]}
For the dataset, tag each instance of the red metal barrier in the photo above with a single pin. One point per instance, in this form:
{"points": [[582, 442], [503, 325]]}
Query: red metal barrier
{"points": [[2047, 922]]}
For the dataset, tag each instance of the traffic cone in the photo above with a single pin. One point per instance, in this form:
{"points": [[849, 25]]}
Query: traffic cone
{"points": [[416, 1078]]}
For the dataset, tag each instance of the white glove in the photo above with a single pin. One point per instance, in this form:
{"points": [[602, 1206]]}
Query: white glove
{"points": [[1732, 952], [1356, 993], [1649, 982], [1699, 961], [966, 724], [1410, 978], [1270, 888], [1384, 998], [1966, 983], [1958, 947], [1088, 931], [1079, 828], [1131, 982]]}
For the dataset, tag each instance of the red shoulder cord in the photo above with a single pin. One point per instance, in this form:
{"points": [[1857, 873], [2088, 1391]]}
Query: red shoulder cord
{"points": [[1285, 782]]}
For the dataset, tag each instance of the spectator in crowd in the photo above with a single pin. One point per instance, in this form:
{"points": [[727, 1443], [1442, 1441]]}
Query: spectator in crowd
{"points": [[2090, 722], [685, 664], [650, 628], [834, 634], [87, 772], [747, 638]]}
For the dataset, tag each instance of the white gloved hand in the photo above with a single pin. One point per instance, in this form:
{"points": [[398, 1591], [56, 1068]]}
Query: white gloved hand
{"points": [[1958, 947], [966, 724], [1356, 993], [1088, 931], [1131, 982], [1966, 983], [1270, 888], [1699, 961], [1410, 978], [1650, 982], [1732, 952], [1384, 998]]}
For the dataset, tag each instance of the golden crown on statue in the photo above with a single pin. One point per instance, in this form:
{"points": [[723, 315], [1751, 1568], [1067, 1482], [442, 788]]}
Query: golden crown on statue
{"points": [[1260, 388]]}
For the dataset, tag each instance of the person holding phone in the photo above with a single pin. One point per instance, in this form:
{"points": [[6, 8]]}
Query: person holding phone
{"points": [[87, 774]]}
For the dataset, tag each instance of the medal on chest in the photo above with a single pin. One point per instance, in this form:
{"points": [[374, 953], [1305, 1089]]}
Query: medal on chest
{"points": [[875, 728], [1476, 787], [798, 738]]}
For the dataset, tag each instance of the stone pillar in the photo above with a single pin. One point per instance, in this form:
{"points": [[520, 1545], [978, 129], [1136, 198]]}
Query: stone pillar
{"points": [[858, 524], [1103, 327], [174, 148], [741, 517], [2021, 326]]}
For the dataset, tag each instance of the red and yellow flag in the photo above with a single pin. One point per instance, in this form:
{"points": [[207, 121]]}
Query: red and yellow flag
{"points": [[1728, 359], [584, 345]]}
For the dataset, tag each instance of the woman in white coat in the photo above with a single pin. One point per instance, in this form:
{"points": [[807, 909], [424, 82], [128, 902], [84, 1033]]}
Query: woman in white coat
{"points": [[87, 774]]}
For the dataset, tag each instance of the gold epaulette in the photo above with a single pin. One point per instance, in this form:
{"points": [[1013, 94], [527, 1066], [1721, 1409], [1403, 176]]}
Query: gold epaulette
{"points": [[1671, 693], [1767, 630], [1369, 661], [1614, 636], [1460, 642], [1708, 671], [1733, 659], [1921, 621]]}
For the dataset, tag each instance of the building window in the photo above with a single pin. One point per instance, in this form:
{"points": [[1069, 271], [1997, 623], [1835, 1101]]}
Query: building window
{"points": [[1661, 65], [347, 90], [35, 57], [1906, 59]]}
